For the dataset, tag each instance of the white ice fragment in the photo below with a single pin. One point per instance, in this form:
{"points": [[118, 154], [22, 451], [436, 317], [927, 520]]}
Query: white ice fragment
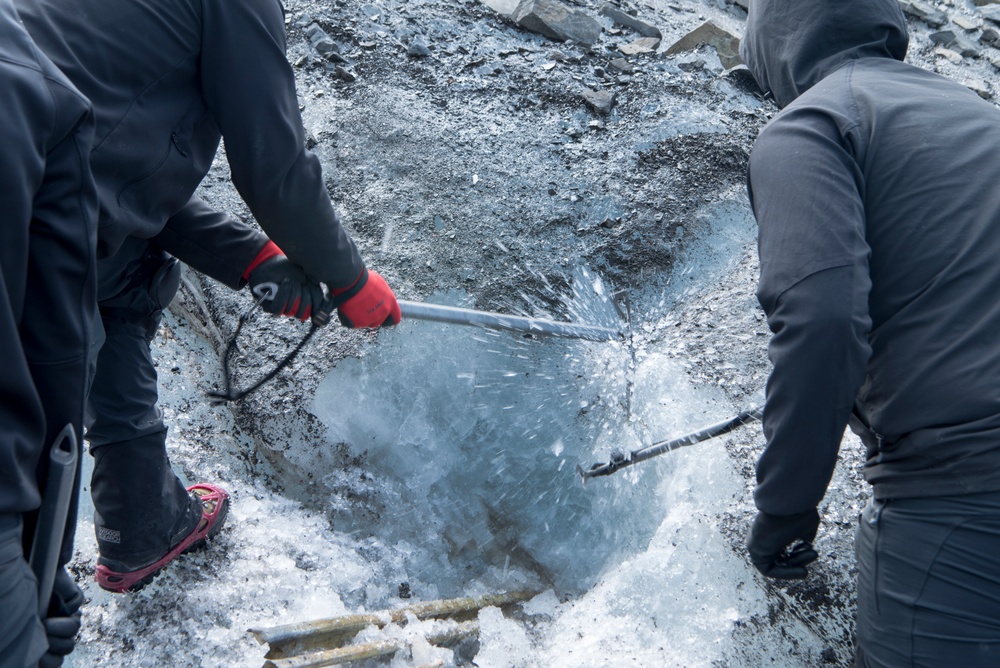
{"points": [[545, 604], [503, 643]]}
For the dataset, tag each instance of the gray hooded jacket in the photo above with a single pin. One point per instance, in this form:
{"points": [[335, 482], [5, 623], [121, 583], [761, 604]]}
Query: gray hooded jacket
{"points": [[875, 196]]}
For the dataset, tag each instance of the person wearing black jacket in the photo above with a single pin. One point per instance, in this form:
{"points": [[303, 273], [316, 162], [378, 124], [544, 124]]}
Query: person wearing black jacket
{"points": [[168, 79], [875, 193], [48, 208]]}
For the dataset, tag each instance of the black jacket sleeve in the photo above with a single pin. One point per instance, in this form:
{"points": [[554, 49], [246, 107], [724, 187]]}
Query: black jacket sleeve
{"points": [[197, 235], [250, 89]]}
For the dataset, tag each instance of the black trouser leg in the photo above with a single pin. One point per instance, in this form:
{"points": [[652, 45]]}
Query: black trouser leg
{"points": [[141, 508]]}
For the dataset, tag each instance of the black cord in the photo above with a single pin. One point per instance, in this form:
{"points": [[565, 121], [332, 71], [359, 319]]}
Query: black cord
{"points": [[232, 394]]}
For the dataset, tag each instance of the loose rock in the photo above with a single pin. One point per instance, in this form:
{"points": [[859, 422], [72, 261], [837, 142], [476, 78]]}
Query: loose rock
{"points": [[991, 13], [980, 87], [943, 37], [641, 45], [621, 18], [964, 23], [345, 74], [418, 47], [726, 44], [929, 14], [323, 43], [948, 54], [557, 21], [621, 65], [599, 100], [503, 7]]}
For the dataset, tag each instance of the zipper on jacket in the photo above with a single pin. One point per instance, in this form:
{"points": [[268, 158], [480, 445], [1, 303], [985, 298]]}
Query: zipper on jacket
{"points": [[177, 144]]}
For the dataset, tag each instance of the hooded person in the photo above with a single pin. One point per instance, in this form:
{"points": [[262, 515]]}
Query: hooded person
{"points": [[169, 79], [874, 190]]}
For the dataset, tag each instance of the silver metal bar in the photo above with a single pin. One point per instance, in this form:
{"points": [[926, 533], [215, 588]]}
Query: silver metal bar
{"points": [[510, 323]]}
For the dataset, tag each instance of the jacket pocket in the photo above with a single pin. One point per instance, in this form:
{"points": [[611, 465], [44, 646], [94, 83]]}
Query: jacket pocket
{"points": [[183, 159]]}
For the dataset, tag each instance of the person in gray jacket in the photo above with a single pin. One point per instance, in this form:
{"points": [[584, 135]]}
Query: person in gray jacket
{"points": [[168, 79], [48, 231], [875, 193]]}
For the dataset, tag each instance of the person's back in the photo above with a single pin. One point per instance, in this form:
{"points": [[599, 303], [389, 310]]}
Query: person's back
{"points": [[138, 63], [879, 229], [892, 171], [926, 175]]}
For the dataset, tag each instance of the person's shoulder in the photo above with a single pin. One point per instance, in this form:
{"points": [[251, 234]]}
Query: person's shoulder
{"points": [[22, 76], [828, 106], [16, 47], [32, 82]]}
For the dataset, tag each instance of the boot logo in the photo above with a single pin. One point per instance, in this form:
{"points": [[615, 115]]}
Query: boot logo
{"points": [[109, 535]]}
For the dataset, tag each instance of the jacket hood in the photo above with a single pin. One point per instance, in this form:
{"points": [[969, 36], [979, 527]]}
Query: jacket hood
{"points": [[790, 45]]}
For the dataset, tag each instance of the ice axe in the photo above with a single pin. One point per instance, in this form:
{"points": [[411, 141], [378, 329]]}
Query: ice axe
{"points": [[415, 310], [619, 461], [464, 316]]}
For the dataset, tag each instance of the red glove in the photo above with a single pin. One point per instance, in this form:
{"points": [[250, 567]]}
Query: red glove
{"points": [[370, 302]]}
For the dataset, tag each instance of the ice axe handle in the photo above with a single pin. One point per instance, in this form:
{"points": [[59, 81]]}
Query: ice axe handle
{"points": [[619, 461], [53, 514], [510, 323]]}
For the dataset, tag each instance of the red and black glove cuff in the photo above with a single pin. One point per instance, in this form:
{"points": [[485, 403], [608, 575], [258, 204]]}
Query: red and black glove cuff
{"points": [[269, 250], [368, 302], [341, 295]]}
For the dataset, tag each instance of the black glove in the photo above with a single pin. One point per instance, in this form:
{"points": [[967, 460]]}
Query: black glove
{"points": [[770, 538], [296, 294], [63, 621]]}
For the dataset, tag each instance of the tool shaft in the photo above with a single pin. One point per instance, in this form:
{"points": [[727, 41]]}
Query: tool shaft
{"points": [[511, 323], [619, 462], [53, 514]]}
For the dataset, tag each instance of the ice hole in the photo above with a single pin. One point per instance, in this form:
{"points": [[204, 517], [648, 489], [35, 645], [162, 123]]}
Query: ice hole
{"points": [[480, 432]]}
